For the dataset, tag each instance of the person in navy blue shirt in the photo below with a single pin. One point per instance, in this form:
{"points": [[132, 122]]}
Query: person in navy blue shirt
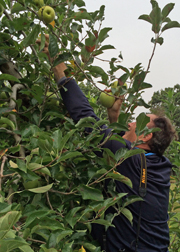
{"points": [[154, 232]]}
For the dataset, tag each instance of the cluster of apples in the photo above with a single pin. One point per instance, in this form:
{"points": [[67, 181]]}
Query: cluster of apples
{"points": [[107, 99], [45, 13]]}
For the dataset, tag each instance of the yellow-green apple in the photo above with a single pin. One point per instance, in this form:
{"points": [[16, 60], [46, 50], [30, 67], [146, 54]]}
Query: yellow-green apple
{"points": [[125, 85], [52, 100], [31, 184], [1, 9], [114, 88], [114, 84], [39, 3], [3, 97], [47, 14], [106, 100]]}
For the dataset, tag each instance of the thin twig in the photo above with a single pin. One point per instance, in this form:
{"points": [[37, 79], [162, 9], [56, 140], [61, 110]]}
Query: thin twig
{"points": [[33, 240], [1, 172], [46, 165], [48, 200]]}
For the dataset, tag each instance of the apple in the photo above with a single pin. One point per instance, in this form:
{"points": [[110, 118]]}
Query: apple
{"points": [[52, 100], [1, 10], [31, 184], [125, 85], [39, 3], [3, 97], [114, 84], [106, 100], [116, 88], [47, 14]]}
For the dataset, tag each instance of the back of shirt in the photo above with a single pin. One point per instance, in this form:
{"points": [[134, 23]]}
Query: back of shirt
{"points": [[154, 232]]}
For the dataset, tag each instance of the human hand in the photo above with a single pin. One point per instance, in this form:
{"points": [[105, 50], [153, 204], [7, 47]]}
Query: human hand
{"points": [[114, 111]]}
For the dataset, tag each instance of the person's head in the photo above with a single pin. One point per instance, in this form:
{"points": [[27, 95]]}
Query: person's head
{"points": [[157, 141]]}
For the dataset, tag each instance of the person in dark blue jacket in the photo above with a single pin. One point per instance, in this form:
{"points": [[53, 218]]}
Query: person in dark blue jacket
{"points": [[154, 232]]}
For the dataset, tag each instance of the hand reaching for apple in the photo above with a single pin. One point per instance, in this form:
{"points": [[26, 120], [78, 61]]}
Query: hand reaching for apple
{"points": [[114, 111], [112, 104]]}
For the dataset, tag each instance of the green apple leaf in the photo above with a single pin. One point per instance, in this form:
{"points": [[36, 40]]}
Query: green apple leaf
{"points": [[7, 221], [103, 34], [131, 199], [90, 193], [62, 58], [119, 177], [79, 3], [53, 46], [38, 214], [172, 24], [9, 77], [3, 3], [103, 222], [141, 122], [26, 248], [68, 155], [156, 18], [106, 47], [32, 36], [45, 145], [17, 7], [167, 9], [41, 189], [97, 71], [43, 40], [12, 244], [71, 217], [146, 17], [127, 214], [138, 81]]}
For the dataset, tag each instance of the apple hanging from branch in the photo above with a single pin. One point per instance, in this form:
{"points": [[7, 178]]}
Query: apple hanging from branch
{"points": [[47, 14], [107, 99]]}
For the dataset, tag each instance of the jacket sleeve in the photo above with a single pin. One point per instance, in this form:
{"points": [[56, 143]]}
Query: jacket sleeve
{"points": [[75, 101], [78, 107]]}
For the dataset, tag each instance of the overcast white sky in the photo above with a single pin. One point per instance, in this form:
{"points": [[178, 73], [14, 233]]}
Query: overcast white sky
{"points": [[132, 37]]}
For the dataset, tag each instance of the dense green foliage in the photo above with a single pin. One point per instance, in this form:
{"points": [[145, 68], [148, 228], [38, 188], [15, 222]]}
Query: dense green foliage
{"points": [[50, 179], [166, 102]]}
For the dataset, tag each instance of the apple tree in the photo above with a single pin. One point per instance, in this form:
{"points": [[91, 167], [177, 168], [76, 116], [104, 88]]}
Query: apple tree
{"points": [[51, 182]]}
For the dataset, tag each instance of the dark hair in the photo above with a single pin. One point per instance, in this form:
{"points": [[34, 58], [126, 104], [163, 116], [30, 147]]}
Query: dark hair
{"points": [[161, 139]]}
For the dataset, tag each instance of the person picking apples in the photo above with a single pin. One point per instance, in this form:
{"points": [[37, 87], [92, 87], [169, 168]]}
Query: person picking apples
{"points": [[149, 231]]}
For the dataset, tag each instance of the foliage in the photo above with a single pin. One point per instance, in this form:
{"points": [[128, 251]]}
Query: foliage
{"points": [[167, 102], [51, 181]]}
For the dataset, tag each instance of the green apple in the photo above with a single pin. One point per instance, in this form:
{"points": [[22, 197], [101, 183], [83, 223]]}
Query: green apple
{"points": [[1, 10], [114, 84], [52, 100], [125, 85], [3, 97], [31, 184], [39, 3], [106, 100], [3, 125], [47, 14]]}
